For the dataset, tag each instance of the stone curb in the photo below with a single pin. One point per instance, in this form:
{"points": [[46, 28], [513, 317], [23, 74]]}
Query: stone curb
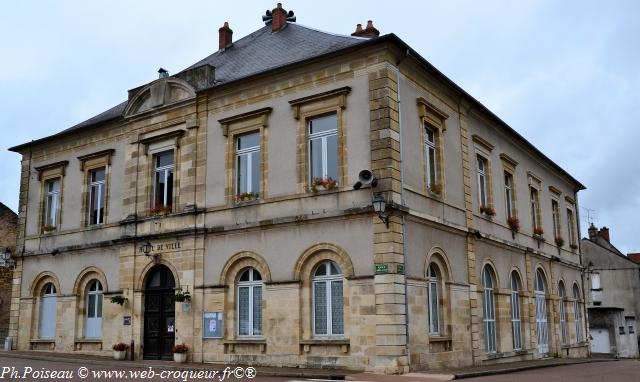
{"points": [[286, 373], [483, 373]]}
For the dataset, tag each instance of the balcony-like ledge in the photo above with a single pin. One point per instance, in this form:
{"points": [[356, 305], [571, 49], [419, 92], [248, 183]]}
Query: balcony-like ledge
{"points": [[344, 343]]}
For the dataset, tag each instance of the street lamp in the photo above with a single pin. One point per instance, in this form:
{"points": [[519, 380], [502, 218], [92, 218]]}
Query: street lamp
{"points": [[7, 260], [146, 248], [379, 206]]}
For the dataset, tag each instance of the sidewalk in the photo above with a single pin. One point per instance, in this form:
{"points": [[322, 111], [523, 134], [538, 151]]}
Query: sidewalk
{"points": [[471, 372], [95, 360], [331, 374]]}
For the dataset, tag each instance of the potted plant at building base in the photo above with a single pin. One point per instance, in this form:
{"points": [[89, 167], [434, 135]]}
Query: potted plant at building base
{"points": [[120, 351], [180, 353]]}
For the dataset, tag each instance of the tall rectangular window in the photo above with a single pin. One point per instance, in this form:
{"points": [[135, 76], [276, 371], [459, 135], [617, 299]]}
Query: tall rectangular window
{"points": [[248, 164], [571, 229], [508, 194], [323, 148], [483, 197], [430, 155], [535, 210], [163, 185], [555, 210], [96, 196], [52, 204]]}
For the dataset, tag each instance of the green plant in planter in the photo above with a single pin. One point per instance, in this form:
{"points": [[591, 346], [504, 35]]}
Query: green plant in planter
{"points": [[180, 348], [322, 184], [119, 299], [181, 296], [120, 346], [514, 223], [435, 188], [559, 241]]}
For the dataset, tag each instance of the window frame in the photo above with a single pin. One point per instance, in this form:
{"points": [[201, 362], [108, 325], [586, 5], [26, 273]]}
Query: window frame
{"points": [[49, 293], [434, 307], [98, 312], [577, 314], [571, 227], [534, 203], [328, 279], [52, 197], [102, 196], [431, 152], [248, 154], [251, 286], [555, 217], [562, 312], [489, 283], [516, 309], [165, 170], [509, 195], [323, 137]]}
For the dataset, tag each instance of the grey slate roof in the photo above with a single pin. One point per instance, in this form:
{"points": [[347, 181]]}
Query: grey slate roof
{"points": [[257, 52]]}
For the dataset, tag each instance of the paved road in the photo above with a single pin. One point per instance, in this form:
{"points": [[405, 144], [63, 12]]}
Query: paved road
{"points": [[21, 369], [614, 371]]}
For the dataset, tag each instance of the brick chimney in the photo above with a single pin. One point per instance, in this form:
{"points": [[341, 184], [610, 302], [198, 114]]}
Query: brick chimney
{"points": [[279, 18], [226, 36], [604, 233], [369, 32], [635, 257]]}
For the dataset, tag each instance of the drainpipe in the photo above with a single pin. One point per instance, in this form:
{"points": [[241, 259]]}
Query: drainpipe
{"points": [[402, 202], [585, 311]]}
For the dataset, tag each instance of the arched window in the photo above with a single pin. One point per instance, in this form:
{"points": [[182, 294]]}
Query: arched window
{"points": [[577, 313], [93, 323], [541, 312], [328, 317], [516, 329], [489, 309], [250, 303], [48, 304], [562, 295], [433, 285]]}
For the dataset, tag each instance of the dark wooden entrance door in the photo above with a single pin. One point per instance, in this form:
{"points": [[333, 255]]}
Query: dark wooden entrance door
{"points": [[159, 314]]}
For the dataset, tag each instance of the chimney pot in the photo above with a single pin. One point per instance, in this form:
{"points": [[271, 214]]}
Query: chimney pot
{"points": [[225, 38], [604, 233], [279, 18], [370, 31]]}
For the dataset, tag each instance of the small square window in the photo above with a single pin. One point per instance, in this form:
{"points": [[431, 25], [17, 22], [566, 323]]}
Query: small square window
{"points": [[621, 330]]}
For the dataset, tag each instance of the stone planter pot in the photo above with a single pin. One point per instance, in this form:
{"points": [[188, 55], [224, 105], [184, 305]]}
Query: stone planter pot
{"points": [[180, 357], [119, 355]]}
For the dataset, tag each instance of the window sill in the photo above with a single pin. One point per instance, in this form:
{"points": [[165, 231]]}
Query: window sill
{"points": [[322, 190], [43, 340], [436, 338], [259, 342], [88, 340]]}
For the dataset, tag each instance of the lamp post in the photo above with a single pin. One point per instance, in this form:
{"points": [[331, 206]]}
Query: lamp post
{"points": [[379, 206]]}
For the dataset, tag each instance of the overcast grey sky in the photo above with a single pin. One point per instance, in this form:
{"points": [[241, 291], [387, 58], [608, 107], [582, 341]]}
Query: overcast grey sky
{"points": [[565, 74]]}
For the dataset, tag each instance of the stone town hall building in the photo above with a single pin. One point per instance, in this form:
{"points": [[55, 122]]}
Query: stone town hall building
{"points": [[233, 180]]}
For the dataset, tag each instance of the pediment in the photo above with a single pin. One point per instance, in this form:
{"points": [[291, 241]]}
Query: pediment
{"points": [[162, 92]]}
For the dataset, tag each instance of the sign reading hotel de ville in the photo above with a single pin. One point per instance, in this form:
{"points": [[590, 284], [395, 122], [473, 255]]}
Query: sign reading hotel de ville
{"points": [[159, 247]]}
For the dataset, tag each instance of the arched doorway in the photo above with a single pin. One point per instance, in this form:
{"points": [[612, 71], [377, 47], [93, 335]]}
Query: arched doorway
{"points": [[159, 314]]}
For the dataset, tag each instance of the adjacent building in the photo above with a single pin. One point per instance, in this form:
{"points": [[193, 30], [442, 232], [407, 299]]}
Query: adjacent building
{"points": [[217, 207], [8, 229], [614, 301]]}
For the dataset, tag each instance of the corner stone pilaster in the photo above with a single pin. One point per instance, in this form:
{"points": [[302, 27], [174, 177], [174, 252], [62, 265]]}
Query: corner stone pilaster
{"points": [[390, 282]]}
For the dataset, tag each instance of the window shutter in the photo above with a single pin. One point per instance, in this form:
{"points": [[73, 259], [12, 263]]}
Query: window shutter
{"points": [[337, 320], [257, 310], [320, 307]]}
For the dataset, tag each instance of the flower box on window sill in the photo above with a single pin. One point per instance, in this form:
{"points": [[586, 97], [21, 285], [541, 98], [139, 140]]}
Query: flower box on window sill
{"points": [[488, 211], [559, 241], [247, 197], [435, 189], [323, 184], [49, 229], [160, 210]]}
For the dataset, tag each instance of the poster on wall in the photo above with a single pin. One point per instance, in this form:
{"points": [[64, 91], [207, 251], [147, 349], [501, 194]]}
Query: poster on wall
{"points": [[212, 325]]}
